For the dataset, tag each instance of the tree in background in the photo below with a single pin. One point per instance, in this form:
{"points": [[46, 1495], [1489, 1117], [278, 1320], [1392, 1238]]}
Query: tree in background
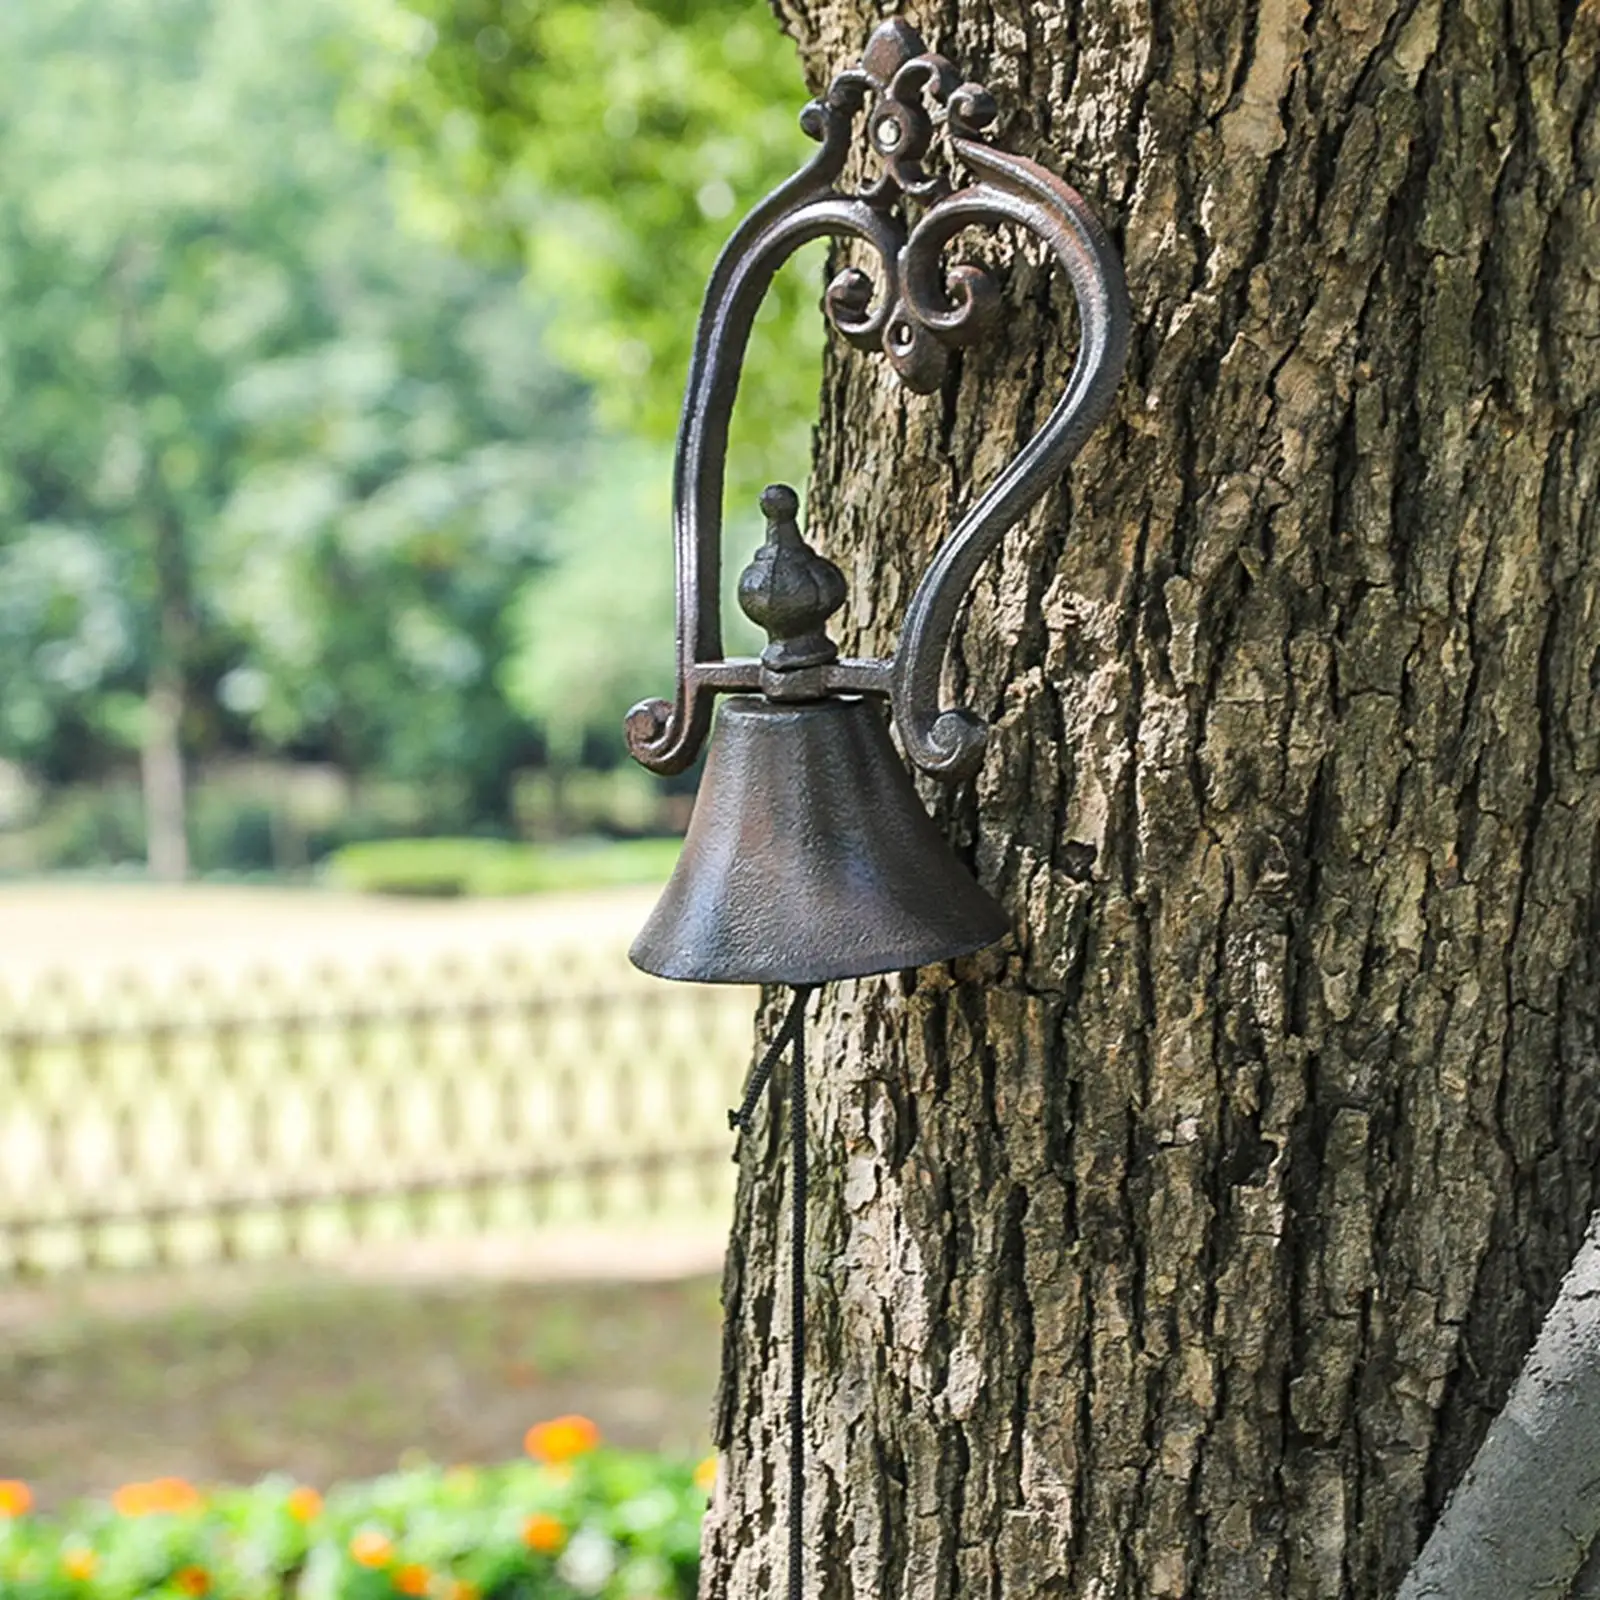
{"points": [[270, 473], [607, 147], [401, 479]]}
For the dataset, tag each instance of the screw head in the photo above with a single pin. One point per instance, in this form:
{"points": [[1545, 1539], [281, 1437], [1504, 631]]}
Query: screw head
{"points": [[888, 133]]}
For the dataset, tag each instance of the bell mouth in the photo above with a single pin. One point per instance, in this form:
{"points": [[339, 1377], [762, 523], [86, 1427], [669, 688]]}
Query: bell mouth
{"points": [[810, 858]]}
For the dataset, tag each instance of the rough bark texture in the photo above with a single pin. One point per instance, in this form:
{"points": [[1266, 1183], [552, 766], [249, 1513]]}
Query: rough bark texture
{"points": [[1187, 1247]]}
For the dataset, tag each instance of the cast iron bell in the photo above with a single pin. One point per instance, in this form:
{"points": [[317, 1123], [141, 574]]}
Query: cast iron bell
{"points": [[809, 855]]}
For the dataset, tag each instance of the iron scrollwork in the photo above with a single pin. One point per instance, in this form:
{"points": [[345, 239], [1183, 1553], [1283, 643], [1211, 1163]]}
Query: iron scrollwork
{"points": [[917, 313]]}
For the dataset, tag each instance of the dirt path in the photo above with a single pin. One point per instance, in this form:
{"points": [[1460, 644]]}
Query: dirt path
{"points": [[326, 1376]]}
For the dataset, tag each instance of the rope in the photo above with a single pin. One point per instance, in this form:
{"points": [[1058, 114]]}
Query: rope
{"points": [[791, 1032]]}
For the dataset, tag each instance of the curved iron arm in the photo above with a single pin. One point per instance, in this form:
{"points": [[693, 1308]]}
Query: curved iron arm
{"points": [[919, 312], [666, 736], [950, 743]]}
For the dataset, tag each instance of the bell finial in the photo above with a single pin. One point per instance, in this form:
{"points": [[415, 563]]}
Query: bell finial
{"points": [[790, 589]]}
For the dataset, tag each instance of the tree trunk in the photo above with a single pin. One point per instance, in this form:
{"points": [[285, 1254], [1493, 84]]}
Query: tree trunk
{"points": [[161, 769], [161, 763], [166, 801], [1187, 1247]]}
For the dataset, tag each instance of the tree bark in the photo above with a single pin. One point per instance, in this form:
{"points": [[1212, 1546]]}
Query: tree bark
{"points": [[1186, 1247]]}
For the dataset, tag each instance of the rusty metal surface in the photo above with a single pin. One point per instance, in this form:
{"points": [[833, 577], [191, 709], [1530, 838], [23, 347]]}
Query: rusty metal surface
{"points": [[810, 858], [916, 107]]}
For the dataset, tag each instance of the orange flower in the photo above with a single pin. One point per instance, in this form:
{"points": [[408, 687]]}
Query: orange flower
{"points": [[705, 1475], [412, 1579], [544, 1533], [16, 1498], [462, 1590], [131, 1500], [79, 1563], [370, 1548], [159, 1495], [192, 1580], [561, 1440], [304, 1503]]}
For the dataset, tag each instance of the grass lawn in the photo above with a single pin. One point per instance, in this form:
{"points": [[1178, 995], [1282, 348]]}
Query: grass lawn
{"points": [[329, 1379], [163, 934]]}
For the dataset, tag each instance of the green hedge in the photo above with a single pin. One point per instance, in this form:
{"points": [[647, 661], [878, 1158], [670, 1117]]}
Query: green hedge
{"points": [[605, 1525], [496, 866]]}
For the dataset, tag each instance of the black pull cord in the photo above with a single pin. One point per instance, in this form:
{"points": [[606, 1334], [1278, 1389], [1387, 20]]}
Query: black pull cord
{"points": [[792, 1031], [797, 1299], [793, 1021]]}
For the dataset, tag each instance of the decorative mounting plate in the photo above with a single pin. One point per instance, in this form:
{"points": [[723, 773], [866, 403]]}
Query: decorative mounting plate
{"points": [[915, 316]]}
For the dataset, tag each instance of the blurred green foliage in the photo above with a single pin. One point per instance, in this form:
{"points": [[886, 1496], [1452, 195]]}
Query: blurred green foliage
{"points": [[613, 561], [247, 422], [609, 1525], [304, 312], [609, 145]]}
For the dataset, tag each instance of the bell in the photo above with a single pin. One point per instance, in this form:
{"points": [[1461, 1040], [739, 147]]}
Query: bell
{"points": [[809, 857]]}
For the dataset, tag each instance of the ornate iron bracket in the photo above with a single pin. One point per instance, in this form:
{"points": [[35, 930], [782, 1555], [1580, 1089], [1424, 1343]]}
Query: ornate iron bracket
{"points": [[918, 312]]}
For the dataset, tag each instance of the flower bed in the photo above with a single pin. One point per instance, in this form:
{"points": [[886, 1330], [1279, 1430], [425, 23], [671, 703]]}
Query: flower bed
{"points": [[577, 1519]]}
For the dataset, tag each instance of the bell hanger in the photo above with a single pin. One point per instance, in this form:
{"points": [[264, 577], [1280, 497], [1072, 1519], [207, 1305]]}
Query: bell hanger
{"points": [[809, 856]]}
